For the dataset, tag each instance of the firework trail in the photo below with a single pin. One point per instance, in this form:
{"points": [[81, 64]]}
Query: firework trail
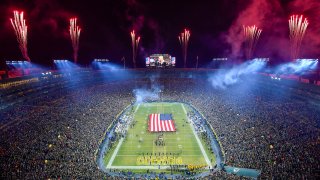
{"points": [[251, 36], [297, 27], [74, 34], [184, 40], [135, 44], [21, 31]]}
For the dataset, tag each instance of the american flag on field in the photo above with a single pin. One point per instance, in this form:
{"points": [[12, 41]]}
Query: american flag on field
{"points": [[161, 123]]}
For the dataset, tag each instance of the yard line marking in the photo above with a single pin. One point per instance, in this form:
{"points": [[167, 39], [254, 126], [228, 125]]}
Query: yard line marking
{"points": [[134, 155], [115, 153], [140, 167], [137, 109], [197, 138]]}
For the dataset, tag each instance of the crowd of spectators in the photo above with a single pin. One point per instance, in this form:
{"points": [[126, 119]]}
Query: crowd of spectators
{"points": [[264, 126], [260, 127]]}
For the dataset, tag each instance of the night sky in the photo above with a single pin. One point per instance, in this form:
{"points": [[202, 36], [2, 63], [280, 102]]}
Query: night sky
{"points": [[215, 25]]}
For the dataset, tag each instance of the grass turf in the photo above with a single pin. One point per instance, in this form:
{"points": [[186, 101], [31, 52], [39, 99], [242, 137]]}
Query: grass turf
{"points": [[139, 140]]}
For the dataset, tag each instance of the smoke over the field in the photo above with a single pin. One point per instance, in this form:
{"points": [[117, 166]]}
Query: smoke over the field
{"points": [[142, 95], [227, 77], [297, 67], [150, 93]]}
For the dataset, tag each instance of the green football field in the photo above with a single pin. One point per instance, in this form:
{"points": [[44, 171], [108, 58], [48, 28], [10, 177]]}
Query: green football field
{"points": [[138, 150]]}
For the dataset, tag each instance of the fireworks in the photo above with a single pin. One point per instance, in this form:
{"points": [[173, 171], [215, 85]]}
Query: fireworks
{"points": [[184, 40], [74, 34], [135, 44], [297, 27], [21, 31], [251, 37]]}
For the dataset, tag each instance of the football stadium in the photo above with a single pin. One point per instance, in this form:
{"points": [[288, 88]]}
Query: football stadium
{"points": [[134, 89]]}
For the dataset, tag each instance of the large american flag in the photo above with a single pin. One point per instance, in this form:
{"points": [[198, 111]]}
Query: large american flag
{"points": [[161, 123]]}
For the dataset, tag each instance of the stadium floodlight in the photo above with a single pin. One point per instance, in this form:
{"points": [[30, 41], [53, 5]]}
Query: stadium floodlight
{"points": [[101, 60], [262, 59], [60, 60], [219, 59], [17, 62], [275, 78], [311, 60], [47, 73]]}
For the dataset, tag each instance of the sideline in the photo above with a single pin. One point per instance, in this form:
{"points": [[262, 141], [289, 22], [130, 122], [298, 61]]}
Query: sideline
{"points": [[115, 152], [198, 140]]}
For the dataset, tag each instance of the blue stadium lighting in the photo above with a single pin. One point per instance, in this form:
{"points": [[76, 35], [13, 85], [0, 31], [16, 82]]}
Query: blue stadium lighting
{"points": [[306, 60], [222, 79], [298, 66], [64, 64]]}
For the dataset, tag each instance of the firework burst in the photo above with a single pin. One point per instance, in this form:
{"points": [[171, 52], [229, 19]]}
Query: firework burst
{"points": [[184, 41], [21, 31], [74, 35], [251, 36], [297, 27], [135, 44]]}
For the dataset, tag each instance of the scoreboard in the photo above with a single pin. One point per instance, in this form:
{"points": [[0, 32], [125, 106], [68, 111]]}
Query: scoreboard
{"points": [[160, 60]]}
